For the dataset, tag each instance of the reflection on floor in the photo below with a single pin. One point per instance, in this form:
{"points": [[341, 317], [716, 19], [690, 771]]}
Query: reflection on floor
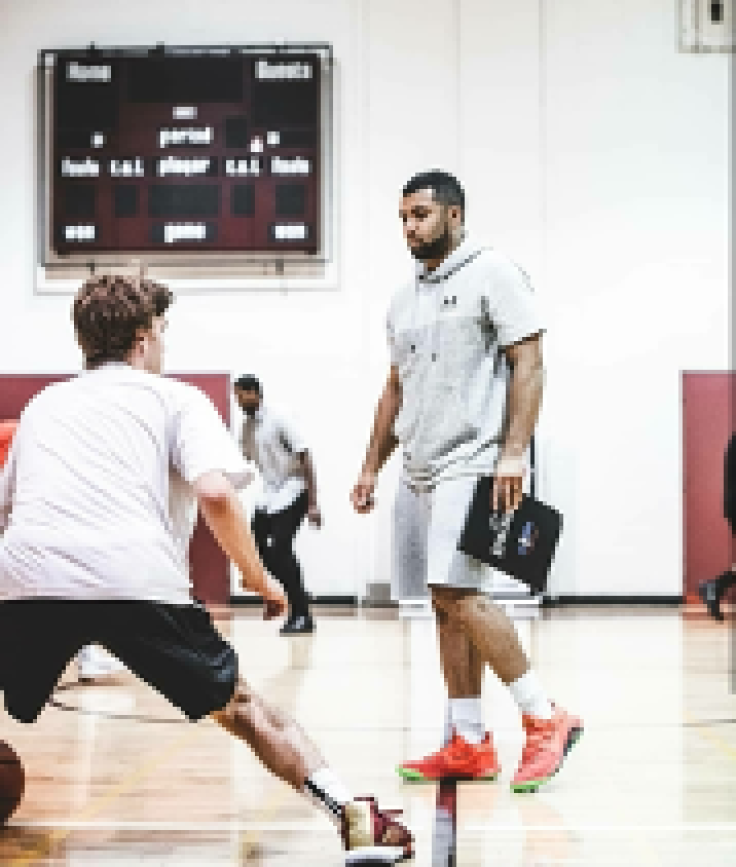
{"points": [[115, 776]]}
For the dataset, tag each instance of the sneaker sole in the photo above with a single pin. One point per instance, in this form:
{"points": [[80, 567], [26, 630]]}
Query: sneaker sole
{"points": [[376, 855], [533, 785], [410, 776], [88, 677]]}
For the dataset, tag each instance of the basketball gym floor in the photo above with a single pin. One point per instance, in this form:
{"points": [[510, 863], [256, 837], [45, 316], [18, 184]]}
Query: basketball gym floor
{"points": [[115, 776]]}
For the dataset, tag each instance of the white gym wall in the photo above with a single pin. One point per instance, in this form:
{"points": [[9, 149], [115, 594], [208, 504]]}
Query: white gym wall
{"points": [[593, 152]]}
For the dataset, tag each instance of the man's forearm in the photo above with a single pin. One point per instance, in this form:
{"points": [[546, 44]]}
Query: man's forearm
{"points": [[388, 446], [525, 399], [383, 441], [227, 520]]}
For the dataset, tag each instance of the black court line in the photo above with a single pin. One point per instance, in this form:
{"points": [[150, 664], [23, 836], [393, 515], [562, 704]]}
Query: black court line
{"points": [[444, 830]]}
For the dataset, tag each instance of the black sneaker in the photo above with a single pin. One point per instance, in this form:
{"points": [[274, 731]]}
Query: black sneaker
{"points": [[302, 624], [710, 592]]}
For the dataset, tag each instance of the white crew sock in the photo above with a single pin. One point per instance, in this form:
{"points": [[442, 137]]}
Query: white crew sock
{"points": [[530, 696], [328, 792], [465, 716], [447, 731]]}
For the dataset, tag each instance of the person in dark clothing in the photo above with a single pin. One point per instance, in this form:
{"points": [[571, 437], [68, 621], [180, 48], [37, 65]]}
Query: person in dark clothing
{"points": [[289, 496], [713, 590]]}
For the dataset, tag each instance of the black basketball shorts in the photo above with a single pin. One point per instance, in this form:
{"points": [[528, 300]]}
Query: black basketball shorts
{"points": [[176, 649]]}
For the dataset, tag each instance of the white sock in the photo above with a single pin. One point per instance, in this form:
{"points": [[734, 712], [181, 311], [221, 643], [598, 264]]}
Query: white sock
{"points": [[466, 718], [328, 792], [447, 731], [530, 696]]}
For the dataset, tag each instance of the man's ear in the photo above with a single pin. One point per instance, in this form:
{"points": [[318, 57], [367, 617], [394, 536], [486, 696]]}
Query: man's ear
{"points": [[139, 344]]}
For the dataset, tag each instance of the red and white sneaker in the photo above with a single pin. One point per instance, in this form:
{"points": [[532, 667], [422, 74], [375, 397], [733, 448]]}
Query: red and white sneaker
{"points": [[547, 744], [459, 760], [373, 836]]}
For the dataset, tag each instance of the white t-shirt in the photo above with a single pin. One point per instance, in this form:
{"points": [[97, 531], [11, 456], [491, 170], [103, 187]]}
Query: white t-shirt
{"points": [[274, 447], [87, 492], [447, 331]]}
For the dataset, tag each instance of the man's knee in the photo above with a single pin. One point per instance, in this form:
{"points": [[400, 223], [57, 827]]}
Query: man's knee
{"points": [[445, 600], [440, 616], [238, 706], [454, 606]]}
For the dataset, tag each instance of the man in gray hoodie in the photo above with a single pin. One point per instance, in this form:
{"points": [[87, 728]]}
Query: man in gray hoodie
{"points": [[462, 397]]}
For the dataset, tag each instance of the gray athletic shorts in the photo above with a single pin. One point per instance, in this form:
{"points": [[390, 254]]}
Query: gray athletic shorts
{"points": [[426, 529]]}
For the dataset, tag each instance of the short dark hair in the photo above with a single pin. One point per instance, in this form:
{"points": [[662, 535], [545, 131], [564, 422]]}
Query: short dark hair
{"points": [[248, 382], [445, 187], [110, 309]]}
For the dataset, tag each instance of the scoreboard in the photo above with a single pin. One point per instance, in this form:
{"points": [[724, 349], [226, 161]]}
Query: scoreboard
{"points": [[160, 150]]}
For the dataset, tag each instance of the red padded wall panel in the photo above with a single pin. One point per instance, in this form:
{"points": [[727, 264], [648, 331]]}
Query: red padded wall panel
{"points": [[708, 422]]}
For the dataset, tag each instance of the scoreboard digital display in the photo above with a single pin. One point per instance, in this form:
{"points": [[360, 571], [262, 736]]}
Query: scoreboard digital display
{"points": [[163, 150]]}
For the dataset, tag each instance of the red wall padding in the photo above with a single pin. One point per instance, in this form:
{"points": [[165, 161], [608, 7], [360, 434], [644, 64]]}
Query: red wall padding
{"points": [[7, 432], [210, 568], [708, 423]]}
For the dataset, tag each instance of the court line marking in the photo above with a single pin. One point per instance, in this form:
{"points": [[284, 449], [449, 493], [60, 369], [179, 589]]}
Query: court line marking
{"points": [[70, 708], [66, 687], [249, 840], [317, 826], [62, 830], [251, 835], [101, 714], [140, 773], [254, 829], [724, 747]]}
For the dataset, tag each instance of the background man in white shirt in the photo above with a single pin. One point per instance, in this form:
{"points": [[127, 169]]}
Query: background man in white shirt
{"points": [[289, 495], [90, 553], [462, 397]]}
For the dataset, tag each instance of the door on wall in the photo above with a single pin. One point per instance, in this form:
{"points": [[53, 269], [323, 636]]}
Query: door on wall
{"points": [[708, 423]]}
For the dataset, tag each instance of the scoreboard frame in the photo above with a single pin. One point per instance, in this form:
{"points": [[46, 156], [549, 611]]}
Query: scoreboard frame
{"points": [[275, 266]]}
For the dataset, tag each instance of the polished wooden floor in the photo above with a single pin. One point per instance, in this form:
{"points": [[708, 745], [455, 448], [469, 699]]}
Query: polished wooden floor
{"points": [[116, 777]]}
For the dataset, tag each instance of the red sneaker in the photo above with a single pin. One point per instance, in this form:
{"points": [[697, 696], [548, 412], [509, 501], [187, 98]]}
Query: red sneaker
{"points": [[373, 836], [459, 760], [547, 744]]}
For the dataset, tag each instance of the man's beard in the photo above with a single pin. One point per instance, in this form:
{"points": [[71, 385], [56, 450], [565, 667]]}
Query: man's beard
{"points": [[437, 249]]}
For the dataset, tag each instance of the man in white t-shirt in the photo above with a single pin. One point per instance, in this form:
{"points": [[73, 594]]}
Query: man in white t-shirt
{"points": [[93, 662], [90, 552], [462, 397], [289, 496]]}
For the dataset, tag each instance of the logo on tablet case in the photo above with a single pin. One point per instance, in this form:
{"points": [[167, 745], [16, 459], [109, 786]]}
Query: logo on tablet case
{"points": [[500, 526], [527, 538]]}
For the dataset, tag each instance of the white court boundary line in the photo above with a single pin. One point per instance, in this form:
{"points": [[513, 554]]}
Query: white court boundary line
{"points": [[314, 827]]}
